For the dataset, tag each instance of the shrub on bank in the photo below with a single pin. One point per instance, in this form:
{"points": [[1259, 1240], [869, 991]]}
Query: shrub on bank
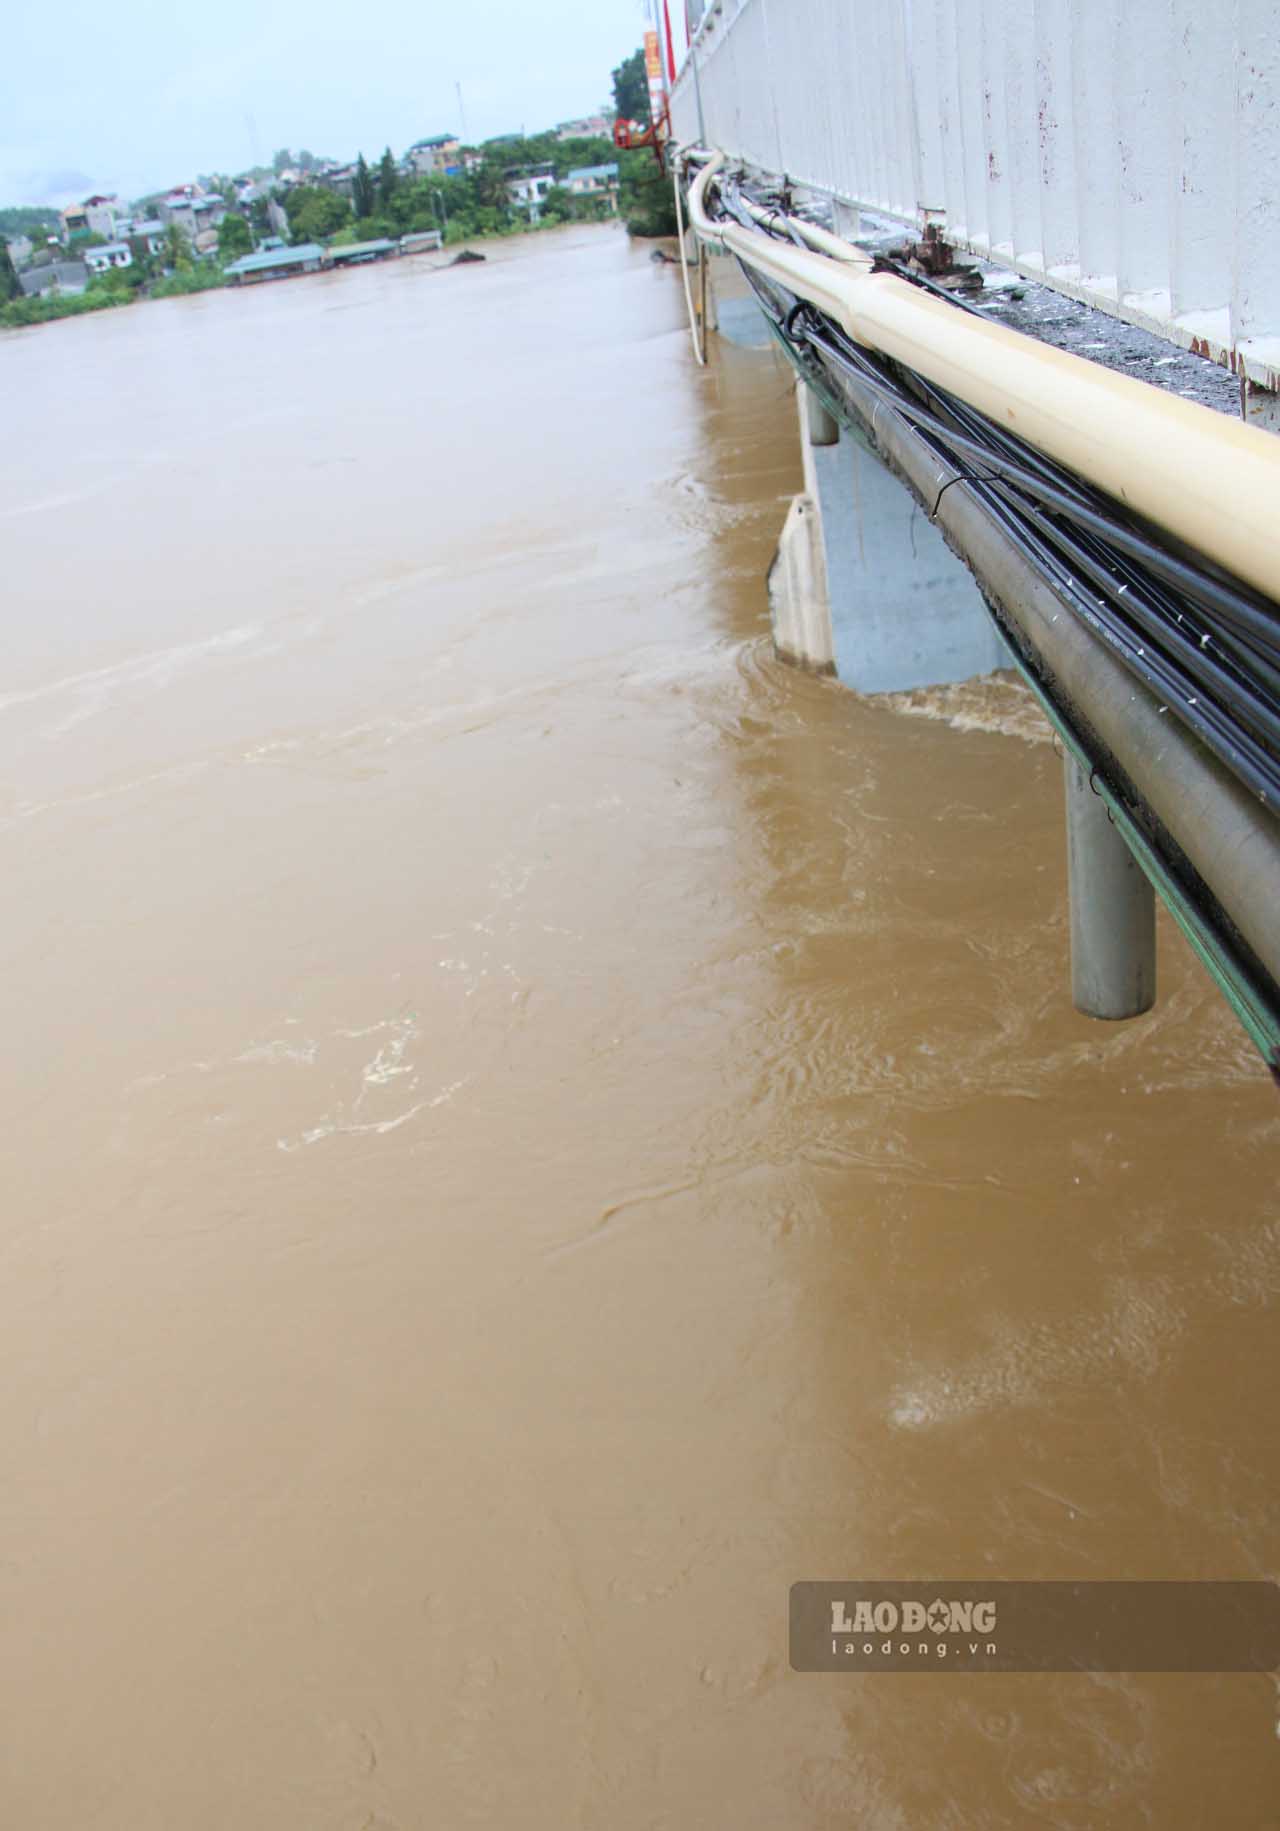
{"points": [[645, 196], [44, 307], [193, 279]]}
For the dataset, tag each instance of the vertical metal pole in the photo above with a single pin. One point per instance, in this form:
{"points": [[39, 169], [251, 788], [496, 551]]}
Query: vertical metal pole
{"points": [[1113, 910], [697, 85]]}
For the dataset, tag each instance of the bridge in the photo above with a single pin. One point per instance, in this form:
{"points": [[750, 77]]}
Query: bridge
{"points": [[899, 187]]}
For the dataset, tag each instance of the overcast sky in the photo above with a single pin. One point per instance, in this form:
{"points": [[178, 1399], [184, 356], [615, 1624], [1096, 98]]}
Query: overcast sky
{"points": [[140, 95]]}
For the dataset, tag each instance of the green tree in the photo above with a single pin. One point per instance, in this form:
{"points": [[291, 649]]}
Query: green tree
{"points": [[362, 190], [176, 252], [10, 284], [119, 283], [388, 180], [22, 220], [194, 279], [557, 205], [314, 213], [631, 89], [281, 161], [489, 184], [234, 237], [645, 197]]}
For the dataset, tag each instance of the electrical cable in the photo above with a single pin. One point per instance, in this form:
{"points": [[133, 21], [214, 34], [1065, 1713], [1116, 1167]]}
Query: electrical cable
{"points": [[1206, 645]]}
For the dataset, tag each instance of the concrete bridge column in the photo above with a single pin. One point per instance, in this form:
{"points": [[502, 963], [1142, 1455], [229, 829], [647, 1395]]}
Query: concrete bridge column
{"points": [[1113, 910], [863, 584], [821, 427], [799, 601]]}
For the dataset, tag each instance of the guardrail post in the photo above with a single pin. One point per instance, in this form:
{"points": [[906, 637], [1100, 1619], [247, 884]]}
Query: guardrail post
{"points": [[1113, 913]]}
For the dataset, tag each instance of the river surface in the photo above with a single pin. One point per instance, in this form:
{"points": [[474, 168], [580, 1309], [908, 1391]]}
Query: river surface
{"points": [[531, 1126]]}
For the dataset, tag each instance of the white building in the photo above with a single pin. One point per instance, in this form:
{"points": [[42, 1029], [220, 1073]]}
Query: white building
{"points": [[527, 189], [592, 180], [111, 254]]}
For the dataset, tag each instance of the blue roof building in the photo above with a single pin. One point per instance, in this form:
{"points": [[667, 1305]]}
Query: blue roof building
{"points": [[275, 264], [587, 178]]}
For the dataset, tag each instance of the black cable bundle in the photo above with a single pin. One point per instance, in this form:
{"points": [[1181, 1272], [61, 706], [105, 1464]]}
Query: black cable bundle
{"points": [[1205, 644]]}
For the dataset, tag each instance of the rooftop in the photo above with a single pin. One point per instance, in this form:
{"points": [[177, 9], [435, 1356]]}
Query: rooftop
{"points": [[435, 140], [71, 276], [361, 251], [267, 258], [593, 171]]}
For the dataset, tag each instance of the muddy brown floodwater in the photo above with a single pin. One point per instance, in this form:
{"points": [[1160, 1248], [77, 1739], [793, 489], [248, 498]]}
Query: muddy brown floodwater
{"points": [[532, 1127]]}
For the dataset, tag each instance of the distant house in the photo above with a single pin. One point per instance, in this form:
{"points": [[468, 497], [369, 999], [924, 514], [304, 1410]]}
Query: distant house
{"points": [[207, 213], [434, 157], [104, 215], [19, 249], [112, 254], [179, 207], [60, 276], [528, 188], [340, 179], [592, 180], [354, 254], [146, 237], [75, 223], [590, 127], [275, 264]]}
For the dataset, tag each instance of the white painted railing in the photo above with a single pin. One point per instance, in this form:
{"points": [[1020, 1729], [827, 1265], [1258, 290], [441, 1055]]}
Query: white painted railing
{"points": [[1126, 152]]}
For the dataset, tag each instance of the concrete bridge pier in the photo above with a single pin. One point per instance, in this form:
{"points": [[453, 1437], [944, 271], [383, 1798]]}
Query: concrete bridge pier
{"points": [[822, 427], [1113, 910], [863, 584]]}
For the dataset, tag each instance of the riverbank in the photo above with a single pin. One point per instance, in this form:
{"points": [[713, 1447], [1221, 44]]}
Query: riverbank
{"points": [[209, 277]]}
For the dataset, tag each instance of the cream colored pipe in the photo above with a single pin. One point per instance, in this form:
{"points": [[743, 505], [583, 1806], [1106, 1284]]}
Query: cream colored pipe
{"points": [[820, 239], [1211, 481]]}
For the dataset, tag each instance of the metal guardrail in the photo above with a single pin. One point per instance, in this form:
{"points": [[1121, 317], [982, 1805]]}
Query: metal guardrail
{"points": [[1126, 155]]}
